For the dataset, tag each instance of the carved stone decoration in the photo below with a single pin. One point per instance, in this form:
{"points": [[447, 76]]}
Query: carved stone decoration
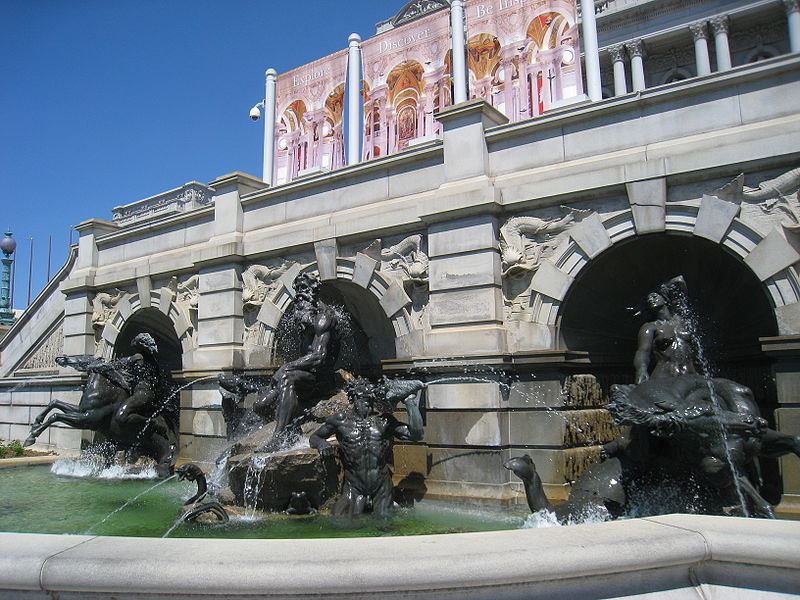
{"points": [[104, 307], [775, 197], [526, 241], [44, 357], [416, 9], [257, 282], [187, 294], [408, 258], [187, 197]]}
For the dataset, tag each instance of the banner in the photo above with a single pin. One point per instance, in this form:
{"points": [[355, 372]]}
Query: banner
{"points": [[523, 56], [406, 81], [309, 128]]}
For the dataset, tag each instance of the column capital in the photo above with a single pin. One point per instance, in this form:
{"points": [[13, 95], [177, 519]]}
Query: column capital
{"points": [[791, 6], [720, 24], [699, 30], [618, 53], [636, 48]]}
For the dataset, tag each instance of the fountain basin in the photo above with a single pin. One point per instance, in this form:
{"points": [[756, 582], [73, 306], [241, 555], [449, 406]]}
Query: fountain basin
{"points": [[672, 556]]}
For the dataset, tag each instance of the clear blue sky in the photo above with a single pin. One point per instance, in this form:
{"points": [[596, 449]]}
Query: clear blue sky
{"points": [[105, 102]]}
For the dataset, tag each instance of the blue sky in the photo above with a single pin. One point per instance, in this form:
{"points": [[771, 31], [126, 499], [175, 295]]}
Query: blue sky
{"points": [[105, 102]]}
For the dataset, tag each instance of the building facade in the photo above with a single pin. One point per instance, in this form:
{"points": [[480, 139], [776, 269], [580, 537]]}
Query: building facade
{"points": [[499, 259]]}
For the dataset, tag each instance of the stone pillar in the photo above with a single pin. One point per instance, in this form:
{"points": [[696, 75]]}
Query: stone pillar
{"points": [[220, 329], [526, 110], [636, 50], [460, 92], [721, 26], [355, 125], [79, 288], [701, 58], [594, 86], [618, 57], [269, 126], [793, 18]]}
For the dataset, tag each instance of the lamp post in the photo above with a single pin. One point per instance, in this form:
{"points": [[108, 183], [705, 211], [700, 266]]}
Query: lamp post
{"points": [[7, 246]]}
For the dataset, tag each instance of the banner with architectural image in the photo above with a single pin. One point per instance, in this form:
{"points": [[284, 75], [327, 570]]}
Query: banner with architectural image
{"points": [[309, 128], [523, 56], [406, 80]]}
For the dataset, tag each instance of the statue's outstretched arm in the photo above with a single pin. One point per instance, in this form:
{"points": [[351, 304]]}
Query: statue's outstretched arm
{"points": [[414, 429]]}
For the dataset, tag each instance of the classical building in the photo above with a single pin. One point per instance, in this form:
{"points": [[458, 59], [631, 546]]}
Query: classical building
{"points": [[502, 258]]}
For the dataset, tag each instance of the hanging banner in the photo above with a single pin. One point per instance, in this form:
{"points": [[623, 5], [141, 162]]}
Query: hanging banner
{"points": [[309, 128], [523, 56], [406, 81]]}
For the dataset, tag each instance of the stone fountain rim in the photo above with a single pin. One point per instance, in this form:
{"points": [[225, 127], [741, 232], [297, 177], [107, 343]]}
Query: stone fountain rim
{"points": [[620, 558]]}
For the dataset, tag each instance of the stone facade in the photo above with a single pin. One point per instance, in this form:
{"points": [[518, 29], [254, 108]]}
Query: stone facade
{"points": [[491, 261]]}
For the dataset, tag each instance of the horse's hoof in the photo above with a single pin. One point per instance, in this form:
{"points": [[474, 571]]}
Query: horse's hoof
{"points": [[29, 442]]}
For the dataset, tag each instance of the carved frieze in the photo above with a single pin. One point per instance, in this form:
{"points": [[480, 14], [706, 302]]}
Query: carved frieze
{"points": [[190, 196], [44, 357]]}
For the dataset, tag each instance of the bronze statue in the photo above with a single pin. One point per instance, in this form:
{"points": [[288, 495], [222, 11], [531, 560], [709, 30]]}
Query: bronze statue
{"points": [[192, 511], [365, 442], [294, 385], [130, 401], [667, 340]]}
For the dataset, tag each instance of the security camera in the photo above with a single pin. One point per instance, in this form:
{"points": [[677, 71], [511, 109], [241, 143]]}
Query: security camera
{"points": [[255, 113]]}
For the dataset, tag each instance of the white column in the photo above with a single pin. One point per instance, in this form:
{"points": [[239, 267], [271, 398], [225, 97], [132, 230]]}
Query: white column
{"points": [[636, 50], [271, 76], [459, 51], [594, 88], [793, 17], [720, 26], [701, 58], [618, 56], [355, 127]]}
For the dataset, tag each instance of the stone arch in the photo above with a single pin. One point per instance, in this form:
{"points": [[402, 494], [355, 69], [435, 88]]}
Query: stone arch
{"points": [[161, 313], [390, 300], [770, 258]]}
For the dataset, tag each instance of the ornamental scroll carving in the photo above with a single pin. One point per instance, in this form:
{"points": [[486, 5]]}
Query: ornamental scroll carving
{"points": [[416, 9], [526, 241], [408, 260]]}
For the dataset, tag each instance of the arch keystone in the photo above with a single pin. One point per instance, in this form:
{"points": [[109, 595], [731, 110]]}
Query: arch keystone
{"points": [[648, 200]]}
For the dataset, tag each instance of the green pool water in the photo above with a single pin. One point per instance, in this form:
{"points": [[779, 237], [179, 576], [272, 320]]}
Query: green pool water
{"points": [[35, 500]]}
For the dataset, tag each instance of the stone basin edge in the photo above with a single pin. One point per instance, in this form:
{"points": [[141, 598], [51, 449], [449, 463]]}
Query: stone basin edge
{"points": [[672, 556]]}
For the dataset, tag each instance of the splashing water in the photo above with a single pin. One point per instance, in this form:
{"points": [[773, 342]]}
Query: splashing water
{"points": [[91, 467]]}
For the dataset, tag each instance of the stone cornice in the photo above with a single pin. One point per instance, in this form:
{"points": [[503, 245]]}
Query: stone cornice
{"points": [[187, 197]]}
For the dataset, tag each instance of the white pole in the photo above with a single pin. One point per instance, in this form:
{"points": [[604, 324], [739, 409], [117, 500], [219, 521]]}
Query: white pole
{"points": [[591, 51], [269, 125], [354, 100], [793, 18], [459, 51]]}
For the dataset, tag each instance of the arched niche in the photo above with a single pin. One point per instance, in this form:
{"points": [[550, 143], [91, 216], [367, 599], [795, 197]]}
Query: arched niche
{"points": [[599, 313], [153, 321]]}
